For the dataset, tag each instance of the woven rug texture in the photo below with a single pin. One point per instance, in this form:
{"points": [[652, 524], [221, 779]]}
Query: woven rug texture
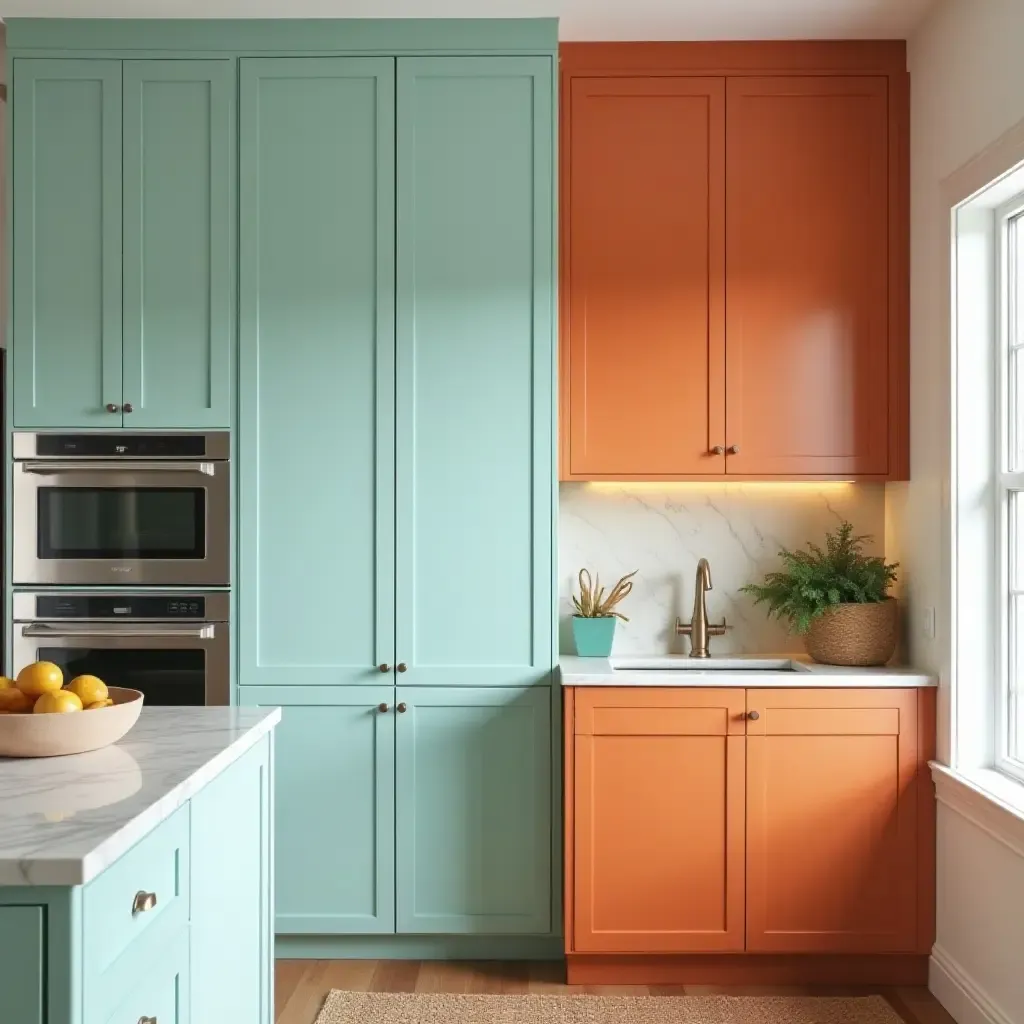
{"points": [[444, 1008]]}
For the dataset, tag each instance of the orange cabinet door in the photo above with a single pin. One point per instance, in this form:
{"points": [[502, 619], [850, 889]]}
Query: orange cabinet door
{"points": [[808, 250], [643, 258], [832, 821], [658, 820]]}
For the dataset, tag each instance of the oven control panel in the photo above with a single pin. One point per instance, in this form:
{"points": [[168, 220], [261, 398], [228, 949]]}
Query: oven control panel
{"points": [[120, 606]]}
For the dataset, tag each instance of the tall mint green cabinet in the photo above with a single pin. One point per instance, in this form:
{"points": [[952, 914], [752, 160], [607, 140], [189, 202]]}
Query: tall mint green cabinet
{"points": [[21, 966], [123, 257], [396, 494]]}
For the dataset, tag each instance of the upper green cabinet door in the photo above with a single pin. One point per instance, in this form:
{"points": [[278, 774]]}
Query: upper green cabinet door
{"points": [[316, 371], [66, 222], [474, 370], [179, 295]]}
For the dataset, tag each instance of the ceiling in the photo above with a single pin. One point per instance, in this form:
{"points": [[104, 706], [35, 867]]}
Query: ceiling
{"points": [[580, 19]]}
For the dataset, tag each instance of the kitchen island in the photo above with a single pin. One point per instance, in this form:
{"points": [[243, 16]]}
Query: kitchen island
{"points": [[136, 881]]}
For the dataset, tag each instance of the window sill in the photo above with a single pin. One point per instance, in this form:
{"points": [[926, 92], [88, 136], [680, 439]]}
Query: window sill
{"points": [[991, 800]]}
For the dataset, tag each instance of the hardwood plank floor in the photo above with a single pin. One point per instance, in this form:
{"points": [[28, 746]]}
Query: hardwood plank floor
{"points": [[302, 985]]}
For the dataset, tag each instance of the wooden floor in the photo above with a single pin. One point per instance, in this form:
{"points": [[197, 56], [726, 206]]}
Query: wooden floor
{"points": [[302, 985]]}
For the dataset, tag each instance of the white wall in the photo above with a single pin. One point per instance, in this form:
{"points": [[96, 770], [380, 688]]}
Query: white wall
{"points": [[967, 88], [661, 530]]}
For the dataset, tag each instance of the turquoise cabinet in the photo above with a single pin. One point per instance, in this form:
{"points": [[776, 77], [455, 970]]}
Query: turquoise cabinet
{"points": [[66, 232], [335, 808], [474, 371], [122, 229], [316, 409], [179, 296], [473, 810], [21, 965], [231, 949]]}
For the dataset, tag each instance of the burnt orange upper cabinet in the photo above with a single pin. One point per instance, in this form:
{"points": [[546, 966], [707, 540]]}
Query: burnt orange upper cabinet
{"points": [[832, 821], [642, 249], [807, 243], [658, 819]]}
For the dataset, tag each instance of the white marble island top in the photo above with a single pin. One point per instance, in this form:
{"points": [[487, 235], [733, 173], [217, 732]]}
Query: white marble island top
{"points": [[64, 819], [783, 670]]}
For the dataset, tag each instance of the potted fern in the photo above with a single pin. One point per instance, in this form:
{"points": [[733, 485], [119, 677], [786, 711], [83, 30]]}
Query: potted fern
{"points": [[593, 625], [837, 598]]}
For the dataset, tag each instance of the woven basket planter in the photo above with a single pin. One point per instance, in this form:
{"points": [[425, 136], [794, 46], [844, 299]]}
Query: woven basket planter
{"points": [[854, 634]]}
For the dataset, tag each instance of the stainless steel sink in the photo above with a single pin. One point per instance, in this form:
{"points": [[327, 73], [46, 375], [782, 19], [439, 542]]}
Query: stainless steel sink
{"points": [[685, 664]]}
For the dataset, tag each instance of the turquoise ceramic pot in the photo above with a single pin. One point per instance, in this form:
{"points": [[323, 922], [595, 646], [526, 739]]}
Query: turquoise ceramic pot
{"points": [[593, 636]]}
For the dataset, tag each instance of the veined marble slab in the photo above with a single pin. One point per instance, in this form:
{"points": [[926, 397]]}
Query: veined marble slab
{"points": [[63, 820], [784, 670]]}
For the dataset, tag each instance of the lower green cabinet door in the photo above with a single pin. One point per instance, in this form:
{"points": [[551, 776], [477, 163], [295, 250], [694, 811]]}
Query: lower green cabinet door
{"points": [[232, 949], [334, 808], [473, 814], [21, 965]]}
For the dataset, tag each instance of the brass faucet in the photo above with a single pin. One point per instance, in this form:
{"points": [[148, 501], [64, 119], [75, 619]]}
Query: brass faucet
{"points": [[698, 629]]}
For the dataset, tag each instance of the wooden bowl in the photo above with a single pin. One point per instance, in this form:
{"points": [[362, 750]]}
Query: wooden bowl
{"points": [[31, 735]]}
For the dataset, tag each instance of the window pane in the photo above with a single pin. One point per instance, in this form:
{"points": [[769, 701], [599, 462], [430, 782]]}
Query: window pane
{"points": [[1015, 279], [1015, 683], [1015, 541]]}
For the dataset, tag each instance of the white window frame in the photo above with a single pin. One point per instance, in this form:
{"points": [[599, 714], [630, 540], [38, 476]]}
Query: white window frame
{"points": [[1009, 219]]}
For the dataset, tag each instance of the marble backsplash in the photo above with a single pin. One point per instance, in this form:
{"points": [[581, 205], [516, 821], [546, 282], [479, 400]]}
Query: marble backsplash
{"points": [[663, 529]]}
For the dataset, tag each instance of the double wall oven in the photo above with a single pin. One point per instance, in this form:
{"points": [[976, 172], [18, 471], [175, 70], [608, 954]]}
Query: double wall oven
{"points": [[121, 559]]}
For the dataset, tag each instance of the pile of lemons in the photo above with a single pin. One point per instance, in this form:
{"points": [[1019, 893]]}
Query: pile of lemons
{"points": [[40, 688]]}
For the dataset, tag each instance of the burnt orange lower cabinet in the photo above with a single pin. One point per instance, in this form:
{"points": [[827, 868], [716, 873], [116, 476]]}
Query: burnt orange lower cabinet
{"points": [[832, 821], [807, 298], [643, 255], [657, 811]]}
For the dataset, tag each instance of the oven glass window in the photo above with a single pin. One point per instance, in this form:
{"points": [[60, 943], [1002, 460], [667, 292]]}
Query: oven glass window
{"points": [[119, 522], [167, 678]]}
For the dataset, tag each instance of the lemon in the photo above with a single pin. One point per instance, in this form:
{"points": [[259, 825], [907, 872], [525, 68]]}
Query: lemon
{"points": [[40, 677], [88, 689], [97, 704], [5, 683], [57, 702], [12, 700]]}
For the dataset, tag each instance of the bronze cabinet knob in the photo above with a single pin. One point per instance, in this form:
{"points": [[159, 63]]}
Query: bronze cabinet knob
{"points": [[128, 407], [143, 902], [384, 667], [113, 408], [383, 708], [733, 449], [753, 716], [717, 450], [402, 667], [402, 708]]}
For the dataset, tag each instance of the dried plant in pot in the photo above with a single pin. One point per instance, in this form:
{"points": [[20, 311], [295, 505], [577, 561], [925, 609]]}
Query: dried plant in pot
{"points": [[837, 598], [593, 625]]}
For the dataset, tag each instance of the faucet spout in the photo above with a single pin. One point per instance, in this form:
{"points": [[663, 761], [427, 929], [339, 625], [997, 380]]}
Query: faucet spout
{"points": [[698, 628]]}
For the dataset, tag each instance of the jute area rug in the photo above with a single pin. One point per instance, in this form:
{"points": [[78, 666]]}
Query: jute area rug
{"points": [[442, 1008]]}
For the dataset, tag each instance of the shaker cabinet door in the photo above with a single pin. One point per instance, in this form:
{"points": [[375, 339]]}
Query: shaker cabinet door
{"points": [[316, 437], [22, 966], [474, 365], [179, 295], [473, 810], [66, 231]]}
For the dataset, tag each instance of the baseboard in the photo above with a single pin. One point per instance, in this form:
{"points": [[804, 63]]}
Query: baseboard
{"points": [[960, 994], [418, 947], [748, 969]]}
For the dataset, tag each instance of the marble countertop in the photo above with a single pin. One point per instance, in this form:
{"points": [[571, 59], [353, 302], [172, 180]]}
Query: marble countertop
{"points": [[784, 670], [64, 819]]}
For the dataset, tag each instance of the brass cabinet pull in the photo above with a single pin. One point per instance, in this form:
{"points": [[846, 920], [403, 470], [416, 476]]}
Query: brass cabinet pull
{"points": [[143, 901], [383, 708], [401, 666], [128, 407], [733, 449], [147, 1020], [113, 408], [717, 450], [402, 708], [753, 716], [384, 667]]}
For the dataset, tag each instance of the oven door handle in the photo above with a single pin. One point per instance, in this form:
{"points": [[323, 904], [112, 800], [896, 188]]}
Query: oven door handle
{"points": [[53, 468], [207, 631]]}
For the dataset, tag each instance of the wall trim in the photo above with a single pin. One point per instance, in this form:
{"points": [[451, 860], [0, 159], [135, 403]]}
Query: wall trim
{"points": [[988, 799], [966, 1001]]}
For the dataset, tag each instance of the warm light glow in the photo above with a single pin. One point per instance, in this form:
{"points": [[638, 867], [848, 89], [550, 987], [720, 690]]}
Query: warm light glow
{"points": [[723, 487]]}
